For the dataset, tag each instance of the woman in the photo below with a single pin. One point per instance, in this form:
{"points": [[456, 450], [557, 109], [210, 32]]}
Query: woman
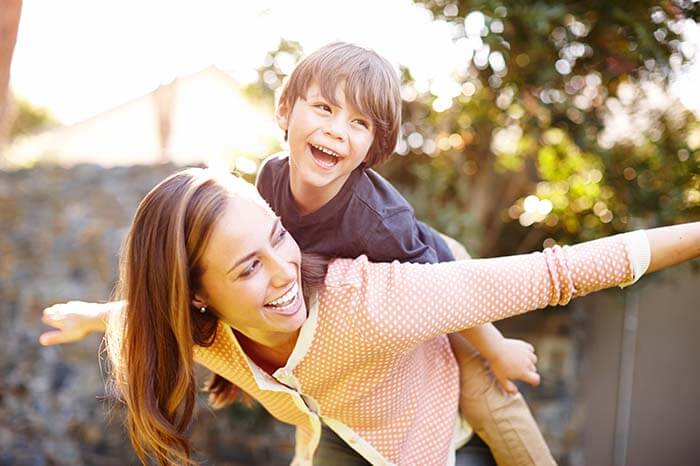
{"points": [[210, 276]]}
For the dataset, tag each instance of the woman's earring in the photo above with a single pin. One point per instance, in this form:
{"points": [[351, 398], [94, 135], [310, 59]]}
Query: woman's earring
{"points": [[203, 309]]}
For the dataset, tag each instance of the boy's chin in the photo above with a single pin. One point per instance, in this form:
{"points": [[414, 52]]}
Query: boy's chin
{"points": [[318, 181]]}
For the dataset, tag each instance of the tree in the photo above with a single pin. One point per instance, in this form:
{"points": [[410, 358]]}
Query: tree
{"points": [[530, 133], [525, 147], [28, 118], [10, 11]]}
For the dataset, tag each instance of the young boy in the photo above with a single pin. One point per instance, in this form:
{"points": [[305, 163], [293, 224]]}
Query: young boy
{"points": [[341, 113]]}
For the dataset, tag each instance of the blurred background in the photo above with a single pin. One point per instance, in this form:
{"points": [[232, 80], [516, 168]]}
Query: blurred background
{"points": [[525, 123]]}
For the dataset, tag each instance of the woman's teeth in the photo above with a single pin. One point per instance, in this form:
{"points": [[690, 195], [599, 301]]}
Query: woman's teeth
{"points": [[287, 298]]}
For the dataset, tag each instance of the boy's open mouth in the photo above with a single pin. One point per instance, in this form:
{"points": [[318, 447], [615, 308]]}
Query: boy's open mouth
{"points": [[324, 156]]}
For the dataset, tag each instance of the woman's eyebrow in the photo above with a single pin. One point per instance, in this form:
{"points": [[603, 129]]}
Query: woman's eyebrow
{"points": [[275, 227]]}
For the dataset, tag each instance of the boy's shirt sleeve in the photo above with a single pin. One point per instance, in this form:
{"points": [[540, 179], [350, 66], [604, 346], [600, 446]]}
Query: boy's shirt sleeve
{"points": [[401, 237]]}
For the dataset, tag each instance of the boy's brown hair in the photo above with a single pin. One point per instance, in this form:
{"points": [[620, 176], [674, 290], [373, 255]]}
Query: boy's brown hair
{"points": [[371, 86]]}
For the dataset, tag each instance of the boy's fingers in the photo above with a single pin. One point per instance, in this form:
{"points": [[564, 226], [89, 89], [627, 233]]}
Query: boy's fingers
{"points": [[511, 388], [507, 386], [533, 378], [533, 358]]}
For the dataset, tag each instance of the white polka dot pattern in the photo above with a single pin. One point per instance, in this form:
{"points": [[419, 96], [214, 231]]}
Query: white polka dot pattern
{"points": [[379, 360]]}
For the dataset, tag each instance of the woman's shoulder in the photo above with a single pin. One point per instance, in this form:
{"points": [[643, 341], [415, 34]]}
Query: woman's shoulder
{"points": [[346, 272]]}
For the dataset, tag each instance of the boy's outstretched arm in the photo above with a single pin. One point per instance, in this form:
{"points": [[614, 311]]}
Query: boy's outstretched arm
{"points": [[509, 359], [74, 320]]}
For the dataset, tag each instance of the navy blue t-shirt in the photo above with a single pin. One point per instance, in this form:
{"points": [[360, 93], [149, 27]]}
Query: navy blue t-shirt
{"points": [[368, 216]]}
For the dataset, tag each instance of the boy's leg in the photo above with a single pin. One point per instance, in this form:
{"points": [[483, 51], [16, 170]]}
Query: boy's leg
{"points": [[333, 451], [503, 421]]}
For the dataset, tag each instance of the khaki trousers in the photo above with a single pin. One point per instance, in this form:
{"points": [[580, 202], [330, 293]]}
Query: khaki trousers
{"points": [[503, 421]]}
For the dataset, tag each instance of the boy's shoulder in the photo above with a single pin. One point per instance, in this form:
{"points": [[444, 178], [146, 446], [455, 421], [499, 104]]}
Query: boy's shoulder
{"points": [[390, 230], [272, 163], [273, 170], [379, 195]]}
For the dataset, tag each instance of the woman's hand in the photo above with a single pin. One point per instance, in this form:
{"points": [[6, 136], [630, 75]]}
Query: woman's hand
{"points": [[73, 320], [514, 360]]}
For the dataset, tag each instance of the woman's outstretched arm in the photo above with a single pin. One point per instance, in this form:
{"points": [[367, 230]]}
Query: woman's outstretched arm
{"points": [[416, 302], [673, 244], [74, 320]]}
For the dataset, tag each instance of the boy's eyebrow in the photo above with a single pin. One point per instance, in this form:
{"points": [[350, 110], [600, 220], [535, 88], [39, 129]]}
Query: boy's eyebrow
{"points": [[275, 227]]}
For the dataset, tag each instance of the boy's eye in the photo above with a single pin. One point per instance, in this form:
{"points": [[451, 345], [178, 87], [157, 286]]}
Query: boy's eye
{"points": [[323, 107], [362, 123]]}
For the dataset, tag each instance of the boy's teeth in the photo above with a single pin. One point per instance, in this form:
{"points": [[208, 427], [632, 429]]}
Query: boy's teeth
{"points": [[326, 151]]}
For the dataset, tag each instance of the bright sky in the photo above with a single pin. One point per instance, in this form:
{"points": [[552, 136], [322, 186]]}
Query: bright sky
{"points": [[81, 57]]}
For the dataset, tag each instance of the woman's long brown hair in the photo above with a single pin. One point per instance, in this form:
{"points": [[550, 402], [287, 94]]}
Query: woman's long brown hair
{"points": [[151, 346]]}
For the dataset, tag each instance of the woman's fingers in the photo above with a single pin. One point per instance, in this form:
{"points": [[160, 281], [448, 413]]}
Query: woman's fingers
{"points": [[52, 337], [55, 320], [57, 337], [71, 321]]}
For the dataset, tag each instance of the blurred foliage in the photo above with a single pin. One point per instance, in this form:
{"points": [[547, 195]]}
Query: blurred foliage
{"points": [[557, 126], [28, 118], [561, 127], [277, 65]]}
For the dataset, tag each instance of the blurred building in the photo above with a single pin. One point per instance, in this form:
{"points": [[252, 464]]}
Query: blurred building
{"points": [[202, 117]]}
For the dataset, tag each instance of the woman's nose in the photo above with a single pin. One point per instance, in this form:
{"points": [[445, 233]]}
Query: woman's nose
{"points": [[283, 270]]}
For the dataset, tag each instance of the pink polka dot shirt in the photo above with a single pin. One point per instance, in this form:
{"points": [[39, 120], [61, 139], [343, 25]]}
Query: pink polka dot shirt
{"points": [[372, 360]]}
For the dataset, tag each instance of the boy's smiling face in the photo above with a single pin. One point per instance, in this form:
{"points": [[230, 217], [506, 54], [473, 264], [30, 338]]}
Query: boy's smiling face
{"points": [[327, 142]]}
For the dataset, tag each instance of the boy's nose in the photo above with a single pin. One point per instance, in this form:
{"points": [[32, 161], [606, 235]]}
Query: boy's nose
{"points": [[335, 130]]}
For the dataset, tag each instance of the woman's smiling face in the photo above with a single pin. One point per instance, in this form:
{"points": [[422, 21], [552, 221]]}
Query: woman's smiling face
{"points": [[252, 275]]}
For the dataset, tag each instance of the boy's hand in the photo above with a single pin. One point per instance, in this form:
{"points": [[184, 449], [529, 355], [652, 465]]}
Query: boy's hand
{"points": [[514, 360], [74, 320]]}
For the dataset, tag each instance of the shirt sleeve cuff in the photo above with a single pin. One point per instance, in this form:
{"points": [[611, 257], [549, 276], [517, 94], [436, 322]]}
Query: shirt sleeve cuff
{"points": [[639, 252]]}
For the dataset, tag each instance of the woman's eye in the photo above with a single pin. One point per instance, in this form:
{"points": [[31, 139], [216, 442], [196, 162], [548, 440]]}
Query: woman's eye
{"points": [[250, 269], [281, 235]]}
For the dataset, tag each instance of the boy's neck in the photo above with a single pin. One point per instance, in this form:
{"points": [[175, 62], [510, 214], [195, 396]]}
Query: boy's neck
{"points": [[309, 198]]}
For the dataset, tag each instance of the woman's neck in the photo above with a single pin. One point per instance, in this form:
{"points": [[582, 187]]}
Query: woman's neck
{"points": [[268, 357]]}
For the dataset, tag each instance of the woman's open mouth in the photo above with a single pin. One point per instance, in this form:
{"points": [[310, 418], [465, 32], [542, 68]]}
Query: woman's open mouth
{"points": [[288, 303]]}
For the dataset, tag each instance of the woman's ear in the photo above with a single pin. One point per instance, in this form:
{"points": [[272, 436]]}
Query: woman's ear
{"points": [[198, 301]]}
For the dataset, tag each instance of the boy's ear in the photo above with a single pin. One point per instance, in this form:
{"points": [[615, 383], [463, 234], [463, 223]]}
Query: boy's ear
{"points": [[282, 116]]}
